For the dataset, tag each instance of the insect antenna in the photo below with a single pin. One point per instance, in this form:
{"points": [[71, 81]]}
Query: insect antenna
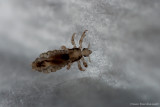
{"points": [[88, 45]]}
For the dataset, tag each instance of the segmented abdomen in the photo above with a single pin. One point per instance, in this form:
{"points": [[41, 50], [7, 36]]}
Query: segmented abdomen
{"points": [[51, 61]]}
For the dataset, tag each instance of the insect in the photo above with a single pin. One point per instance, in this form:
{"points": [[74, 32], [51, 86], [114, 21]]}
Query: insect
{"points": [[52, 61]]}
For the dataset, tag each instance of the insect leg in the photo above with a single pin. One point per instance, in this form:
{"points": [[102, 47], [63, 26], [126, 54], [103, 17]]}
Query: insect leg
{"points": [[81, 40], [72, 40], [69, 66], [84, 62], [79, 66], [63, 47]]}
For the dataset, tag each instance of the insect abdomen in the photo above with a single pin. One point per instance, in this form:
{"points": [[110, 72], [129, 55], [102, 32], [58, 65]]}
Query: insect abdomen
{"points": [[51, 61]]}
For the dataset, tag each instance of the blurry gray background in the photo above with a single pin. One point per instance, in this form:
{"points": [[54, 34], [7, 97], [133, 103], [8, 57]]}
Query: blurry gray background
{"points": [[124, 37]]}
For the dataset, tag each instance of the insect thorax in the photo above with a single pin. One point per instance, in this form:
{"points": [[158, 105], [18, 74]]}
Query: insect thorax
{"points": [[75, 54]]}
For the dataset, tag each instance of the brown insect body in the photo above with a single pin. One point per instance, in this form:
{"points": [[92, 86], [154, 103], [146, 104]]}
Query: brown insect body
{"points": [[52, 61], [75, 54]]}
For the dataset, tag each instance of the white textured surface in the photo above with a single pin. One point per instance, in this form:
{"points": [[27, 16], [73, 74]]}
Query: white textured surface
{"points": [[124, 37]]}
